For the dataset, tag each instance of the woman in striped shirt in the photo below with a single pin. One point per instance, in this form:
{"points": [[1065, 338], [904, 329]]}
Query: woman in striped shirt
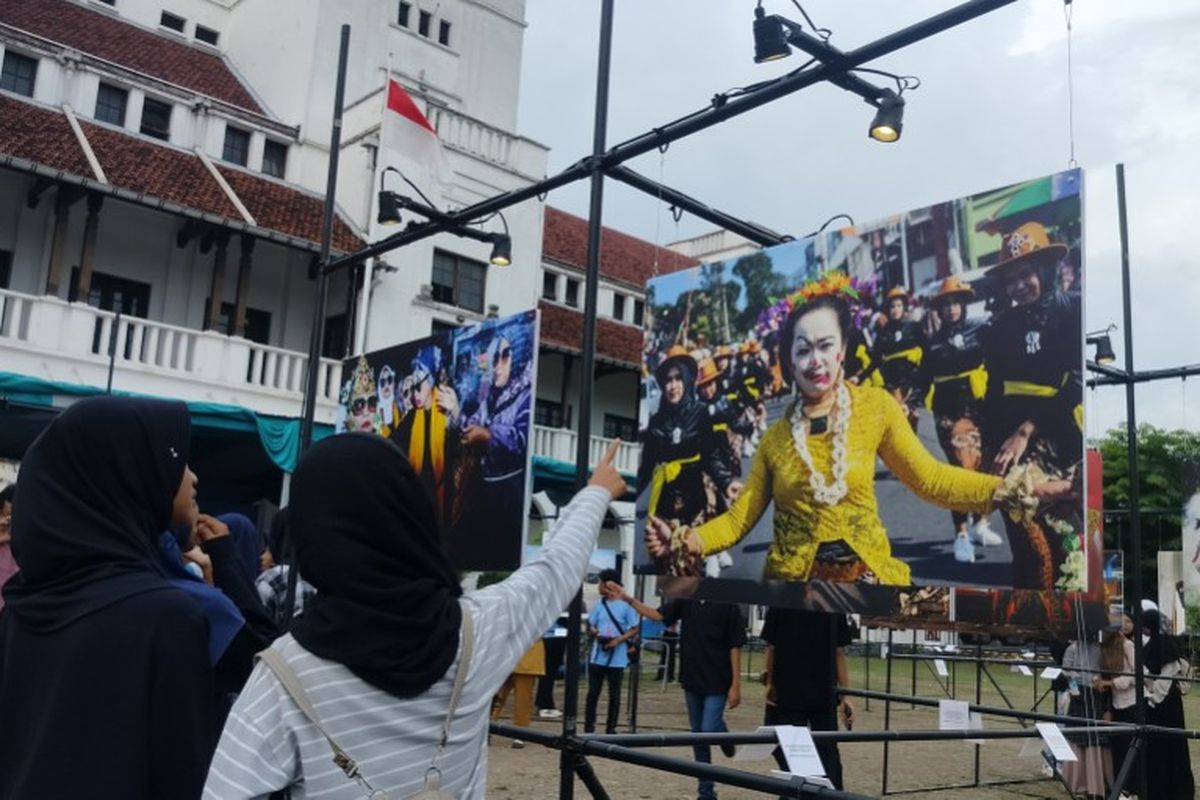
{"points": [[378, 649]]}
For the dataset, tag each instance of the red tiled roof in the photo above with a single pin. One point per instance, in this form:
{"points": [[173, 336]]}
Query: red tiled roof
{"points": [[563, 328], [279, 208], [104, 36], [622, 257], [43, 136]]}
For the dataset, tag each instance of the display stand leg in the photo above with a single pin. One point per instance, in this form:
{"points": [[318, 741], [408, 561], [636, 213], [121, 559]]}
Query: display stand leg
{"points": [[887, 709], [978, 697]]}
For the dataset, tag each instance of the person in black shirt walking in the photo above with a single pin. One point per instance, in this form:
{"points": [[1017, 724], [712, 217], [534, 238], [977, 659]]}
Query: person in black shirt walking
{"points": [[710, 664], [805, 666]]}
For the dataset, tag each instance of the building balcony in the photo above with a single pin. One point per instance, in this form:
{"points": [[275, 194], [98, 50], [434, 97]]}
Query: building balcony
{"points": [[560, 443], [50, 339]]}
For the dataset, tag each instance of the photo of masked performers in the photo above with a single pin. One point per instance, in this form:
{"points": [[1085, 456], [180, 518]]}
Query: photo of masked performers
{"points": [[460, 405], [927, 433]]}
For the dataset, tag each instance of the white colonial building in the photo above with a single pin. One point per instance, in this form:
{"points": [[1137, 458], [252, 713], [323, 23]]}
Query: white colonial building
{"points": [[162, 172]]}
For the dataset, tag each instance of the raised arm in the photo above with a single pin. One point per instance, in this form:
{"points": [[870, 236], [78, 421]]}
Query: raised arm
{"points": [[513, 613], [950, 487], [726, 530]]}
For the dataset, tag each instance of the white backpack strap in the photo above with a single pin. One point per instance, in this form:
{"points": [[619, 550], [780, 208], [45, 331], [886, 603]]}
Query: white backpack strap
{"points": [[460, 674], [291, 683]]}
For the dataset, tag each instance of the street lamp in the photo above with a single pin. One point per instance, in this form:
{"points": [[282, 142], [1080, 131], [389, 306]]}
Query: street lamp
{"points": [[1103, 345], [389, 202], [889, 118], [774, 38], [770, 37], [501, 245]]}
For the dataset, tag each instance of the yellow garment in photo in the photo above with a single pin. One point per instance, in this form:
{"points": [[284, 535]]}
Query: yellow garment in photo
{"points": [[878, 426]]}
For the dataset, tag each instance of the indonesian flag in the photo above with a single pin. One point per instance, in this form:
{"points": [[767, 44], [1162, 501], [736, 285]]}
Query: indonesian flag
{"points": [[408, 137]]}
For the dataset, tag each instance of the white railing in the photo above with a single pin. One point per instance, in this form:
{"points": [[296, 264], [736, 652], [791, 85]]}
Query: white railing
{"points": [[155, 357], [475, 137], [560, 444]]}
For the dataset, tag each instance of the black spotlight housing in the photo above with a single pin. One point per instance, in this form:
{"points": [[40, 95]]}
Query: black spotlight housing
{"points": [[1104, 349], [770, 38], [501, 250], [389, 209], [889, 118]]}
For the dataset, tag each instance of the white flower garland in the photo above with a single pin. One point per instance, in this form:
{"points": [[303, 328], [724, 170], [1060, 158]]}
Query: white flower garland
{"points": [[839, 425]]}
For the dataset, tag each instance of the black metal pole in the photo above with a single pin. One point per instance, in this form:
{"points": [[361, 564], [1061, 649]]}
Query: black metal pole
{"points": [[1135, 518], [867, 667], [913, 664], [688, 125], [112, 350], [566, 787], [978, 697], [750, 230], [887, 709], [316, 340]]}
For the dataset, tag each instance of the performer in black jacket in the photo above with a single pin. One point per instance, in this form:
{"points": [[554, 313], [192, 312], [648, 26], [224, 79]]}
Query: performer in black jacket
{"points": [[1033, 411], [953, 368], [677, 447], [898, 351]]}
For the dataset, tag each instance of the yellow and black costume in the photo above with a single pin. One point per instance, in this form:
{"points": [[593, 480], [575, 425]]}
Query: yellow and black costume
{"points": [[953, 369], [897, 354], [877, 426], [678, 448]]}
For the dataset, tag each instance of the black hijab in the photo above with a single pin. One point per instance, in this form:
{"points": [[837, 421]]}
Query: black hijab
{"points": [[366, 537], [96, 491], [1161, 649]]}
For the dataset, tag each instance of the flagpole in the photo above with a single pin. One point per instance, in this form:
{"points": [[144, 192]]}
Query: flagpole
{"points": [[317, 337], [364, 296]]}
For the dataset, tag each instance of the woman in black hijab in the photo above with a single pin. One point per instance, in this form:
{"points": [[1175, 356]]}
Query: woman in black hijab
{"points": [[676, 453], [105, 683], [378, 647], [1168, 765]]}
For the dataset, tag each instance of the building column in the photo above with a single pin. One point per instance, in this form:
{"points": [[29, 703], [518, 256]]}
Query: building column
{"points": [[218, 284], [62, 218], [243, 285], [87, 255]]}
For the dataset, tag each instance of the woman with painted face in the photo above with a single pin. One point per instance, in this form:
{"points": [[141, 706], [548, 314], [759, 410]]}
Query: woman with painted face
{"points": [[106, 685], [817, 464], [1168, 765], [677, 450], [953, 369], [1033, 414]]}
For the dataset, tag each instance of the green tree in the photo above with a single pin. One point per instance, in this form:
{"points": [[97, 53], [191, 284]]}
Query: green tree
{"points": [[763, 285], [1167, 472]]}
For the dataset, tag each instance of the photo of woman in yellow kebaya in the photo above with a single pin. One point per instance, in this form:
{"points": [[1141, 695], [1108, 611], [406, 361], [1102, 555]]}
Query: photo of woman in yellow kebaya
{"points": [[817, 463]]}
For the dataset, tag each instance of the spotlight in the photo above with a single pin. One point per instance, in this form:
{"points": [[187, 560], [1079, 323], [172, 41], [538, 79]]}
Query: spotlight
{"points": [[1104, 349], [501, 250], [770, 37], [888, 119], [389, 208]]}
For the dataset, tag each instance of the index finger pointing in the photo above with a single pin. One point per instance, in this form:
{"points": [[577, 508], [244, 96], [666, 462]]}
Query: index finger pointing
{"points": [[610, 454]]}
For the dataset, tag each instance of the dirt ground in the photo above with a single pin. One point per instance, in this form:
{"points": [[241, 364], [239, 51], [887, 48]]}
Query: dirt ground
{"points": [[913, 768]]}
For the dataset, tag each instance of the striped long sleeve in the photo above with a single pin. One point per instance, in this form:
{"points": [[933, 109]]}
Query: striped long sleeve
{"points": [[269, 745]]}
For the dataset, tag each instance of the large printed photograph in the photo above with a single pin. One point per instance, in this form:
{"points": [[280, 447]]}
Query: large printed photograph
{"points": [[893, 405], [460, 405]]}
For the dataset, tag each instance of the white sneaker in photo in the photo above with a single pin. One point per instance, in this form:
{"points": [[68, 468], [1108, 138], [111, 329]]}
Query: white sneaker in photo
{"points": [[549, 713], [964, 551], [982, 534]]}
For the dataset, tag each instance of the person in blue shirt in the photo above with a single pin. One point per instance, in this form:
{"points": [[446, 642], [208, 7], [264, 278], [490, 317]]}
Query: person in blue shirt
{"points": [[612, 623]]}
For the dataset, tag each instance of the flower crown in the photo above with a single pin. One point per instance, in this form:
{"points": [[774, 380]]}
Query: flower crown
{"points": [[859, 294]]}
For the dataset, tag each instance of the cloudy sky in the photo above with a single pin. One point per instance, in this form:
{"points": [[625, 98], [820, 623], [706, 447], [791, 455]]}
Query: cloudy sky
{"points": [[991, 110]]}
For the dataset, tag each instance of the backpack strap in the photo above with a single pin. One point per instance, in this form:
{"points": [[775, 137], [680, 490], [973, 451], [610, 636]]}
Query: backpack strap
{"points": [[291, 683]]}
